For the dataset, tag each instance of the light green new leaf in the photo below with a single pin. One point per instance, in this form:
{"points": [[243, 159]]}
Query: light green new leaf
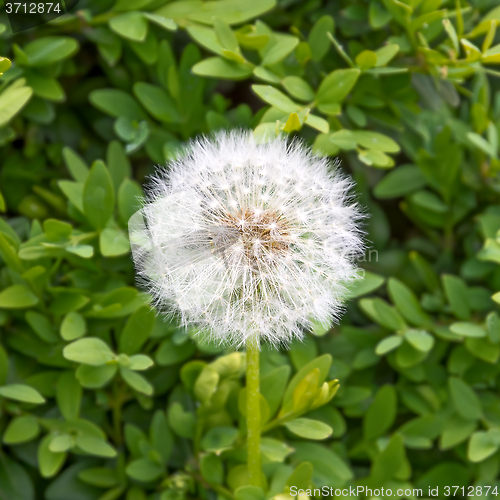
{"points": [[276, 98], [483, 444], [21, 430], [113, 242], [17, 297], [309, 429], [218, 67], [21, 392], [137, 382], [89, 351], [73, 326], [131, 25]]}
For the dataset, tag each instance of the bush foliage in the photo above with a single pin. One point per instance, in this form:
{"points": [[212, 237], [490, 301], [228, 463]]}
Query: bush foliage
{"points": [[102, 399]]}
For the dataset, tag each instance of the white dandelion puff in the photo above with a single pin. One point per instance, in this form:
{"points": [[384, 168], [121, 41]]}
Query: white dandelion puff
{"points": [[248, 240]]}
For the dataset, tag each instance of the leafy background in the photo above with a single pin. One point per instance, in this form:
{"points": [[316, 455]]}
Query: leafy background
{"points": [[101, 399]]}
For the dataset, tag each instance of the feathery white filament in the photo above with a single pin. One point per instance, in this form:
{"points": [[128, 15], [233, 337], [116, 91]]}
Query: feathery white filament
{"points": [[245, 239]]}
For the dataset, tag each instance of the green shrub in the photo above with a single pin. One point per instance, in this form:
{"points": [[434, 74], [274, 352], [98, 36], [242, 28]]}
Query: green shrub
{"points": [[102, 399]]}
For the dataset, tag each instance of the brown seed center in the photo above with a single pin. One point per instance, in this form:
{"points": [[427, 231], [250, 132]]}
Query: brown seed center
{"points": [[254, 234]]}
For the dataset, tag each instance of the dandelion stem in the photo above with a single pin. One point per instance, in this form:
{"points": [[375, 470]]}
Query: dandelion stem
{"points": [[253, 412]]}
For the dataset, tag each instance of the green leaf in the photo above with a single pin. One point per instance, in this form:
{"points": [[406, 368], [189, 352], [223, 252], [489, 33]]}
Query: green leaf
{"points": [[481, 143], [95, 377], [89, 351], [301, 477], [74, 193], [169, 353], [322, 363], [131, 25], [157, 102], [217, 67], [118, 164], [5, 63], [298, 88], [113, 242], [408, 356], [98, 196], [456, 430], [49, 49], [272, 386], [388, 344], [225, 35], [366, 59], [308, 428], [386, 53], [483, 349], [42, 327], [48, 461], [137, 330], [161, 21], [274, 449], [21, 392], [407, 303], [160, 436], [249, 493], [327, 464], [44, 87], [95, 446], [12, 101], [211, 469], [218, 439], [401, 181], [318, 41], [483, 444], [336, 86], [367, 283], [375, 141], [382, 313], [21, 430], [420, 340], [140, 362], [144, 470], [17, 297], [73, 326], [137, 382], [381, 413], [466, 329], [99, 476], [456, 293], [206, 384], [182, 422], [275, 52], [229, 11], [130, 197], [8, 253], [276, 98], [117, 103], [68, 395], [464, 399], [387, 463]]}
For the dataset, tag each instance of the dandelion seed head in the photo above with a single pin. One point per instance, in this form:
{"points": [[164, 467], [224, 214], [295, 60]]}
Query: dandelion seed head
{"points": [[243, 239]]}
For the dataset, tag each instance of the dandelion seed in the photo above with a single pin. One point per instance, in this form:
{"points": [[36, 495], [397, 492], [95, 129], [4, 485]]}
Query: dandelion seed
{"points": [[257, 239]]}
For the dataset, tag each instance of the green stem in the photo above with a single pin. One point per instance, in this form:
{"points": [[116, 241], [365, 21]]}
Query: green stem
{"points": [[253, 412]]}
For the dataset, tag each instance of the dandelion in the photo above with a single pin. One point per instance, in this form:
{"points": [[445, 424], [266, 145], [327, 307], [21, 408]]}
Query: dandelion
{"points": [[249, 242]]}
